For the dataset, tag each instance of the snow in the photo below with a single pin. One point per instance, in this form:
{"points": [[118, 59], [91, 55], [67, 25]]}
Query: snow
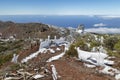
{"points": [[88, 44], [101, 39], [89, 65], [51, 50], [96, 58], [117, 77], [60, 41], [79, 31], [108, 62], [109, 70], [54, 72], [56, 57], [14, 59], [101, 49], [37, 76], [8, 78], [96, 37], [33, 55], [58, 49], [94, 49], [44, 48], [45, 44]]}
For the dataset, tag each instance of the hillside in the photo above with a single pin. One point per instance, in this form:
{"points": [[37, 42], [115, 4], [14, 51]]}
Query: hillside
{"points": [[43, 52], [26, 30]]}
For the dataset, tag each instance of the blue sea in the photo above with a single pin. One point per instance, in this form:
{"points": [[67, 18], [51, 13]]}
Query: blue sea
{"points": [[66, 20]]}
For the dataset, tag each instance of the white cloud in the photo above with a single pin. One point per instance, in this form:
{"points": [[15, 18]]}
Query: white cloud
{"points": [[110, 17], [103, 30], [99, 25]]}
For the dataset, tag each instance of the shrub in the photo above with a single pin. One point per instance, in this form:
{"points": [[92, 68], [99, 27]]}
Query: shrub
{"points": [[3, 48], [72, 52], [117, 46], [94, 44], [15, 67], [5, 58], [81, 43], [110, 42]]}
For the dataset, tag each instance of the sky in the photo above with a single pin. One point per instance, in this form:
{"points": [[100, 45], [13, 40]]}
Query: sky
{"points": [[59, 7]]}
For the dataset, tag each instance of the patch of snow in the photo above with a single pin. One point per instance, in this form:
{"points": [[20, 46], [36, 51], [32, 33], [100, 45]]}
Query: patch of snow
{"points": [[51, 50], [8, 78], [117, 77], [92, 57], [96, 37], [108, 62], [48, 37], [54, 73], [56, 57], [111, 57], [99, 59], [88, 44], [38, 76], [109, 70], [45, 44], [79, 31], [89, 65], [94, 49], [101, 39], [33, 55], [60, 41], [101, 49], [14, 59], [58, 49]]}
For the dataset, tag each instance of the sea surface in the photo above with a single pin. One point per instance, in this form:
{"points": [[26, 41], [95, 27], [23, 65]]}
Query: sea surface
{"points": [[66, 20]]}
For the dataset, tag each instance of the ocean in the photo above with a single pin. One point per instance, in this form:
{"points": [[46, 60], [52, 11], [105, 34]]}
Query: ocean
{"points": [[66, 20]]}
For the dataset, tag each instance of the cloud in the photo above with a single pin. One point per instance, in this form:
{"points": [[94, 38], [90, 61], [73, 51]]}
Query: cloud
{"points": [[110, 17], [103, 30], [99, 25]]}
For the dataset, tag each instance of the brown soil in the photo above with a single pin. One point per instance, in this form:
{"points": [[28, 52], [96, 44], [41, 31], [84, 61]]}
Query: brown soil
{"points": [[70, 69]]}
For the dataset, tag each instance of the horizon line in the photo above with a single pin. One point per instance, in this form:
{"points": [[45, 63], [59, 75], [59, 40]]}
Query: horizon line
{"points": [[60, 14]]}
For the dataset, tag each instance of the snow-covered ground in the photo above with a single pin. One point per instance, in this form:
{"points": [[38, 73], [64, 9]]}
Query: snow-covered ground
{"points": [[38, 76], [33, 55], [58, 56], [98, 59], [45, 46]]}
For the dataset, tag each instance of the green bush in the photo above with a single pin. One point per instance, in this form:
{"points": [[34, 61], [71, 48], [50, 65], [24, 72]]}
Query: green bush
{"points": [[15, 67], [81, 43], [113, 53], [94, 44], [110, 42], [3, 48], [5, 58], [117, 46], [72, 52]]}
